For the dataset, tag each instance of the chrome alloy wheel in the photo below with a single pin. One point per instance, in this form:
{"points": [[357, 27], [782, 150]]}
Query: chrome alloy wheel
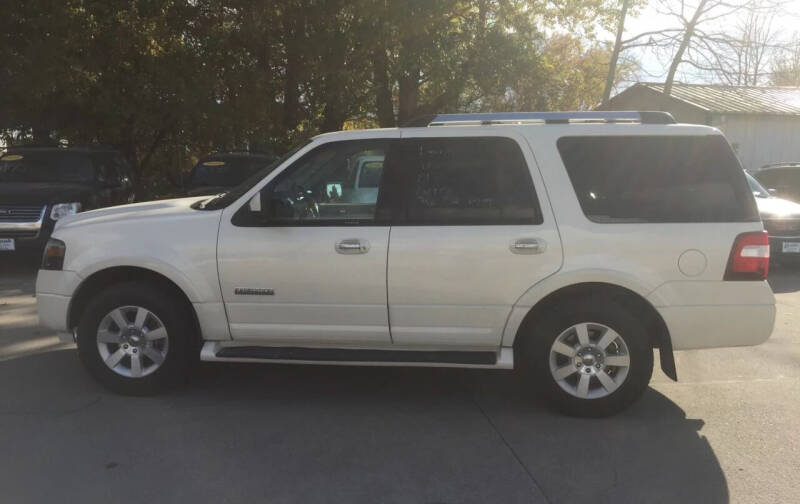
{"points": [[589, 360], [132, 341]]}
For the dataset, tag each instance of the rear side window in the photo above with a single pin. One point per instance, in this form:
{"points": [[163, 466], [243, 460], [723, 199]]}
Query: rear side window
{"points": [[657, 179], [462, 181]]}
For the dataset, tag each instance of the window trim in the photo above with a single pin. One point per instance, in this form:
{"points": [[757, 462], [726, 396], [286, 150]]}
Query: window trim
{"points": [[409, 177], [239, 220]]}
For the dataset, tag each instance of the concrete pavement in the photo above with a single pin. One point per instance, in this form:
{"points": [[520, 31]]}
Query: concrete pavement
{"points": [[727, 432]]}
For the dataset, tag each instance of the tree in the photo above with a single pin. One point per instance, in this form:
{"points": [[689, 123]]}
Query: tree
{"points": [[786, 67]]}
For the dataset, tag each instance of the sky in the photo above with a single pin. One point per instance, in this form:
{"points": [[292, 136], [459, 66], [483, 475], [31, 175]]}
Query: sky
{"points": [[654, 69]]}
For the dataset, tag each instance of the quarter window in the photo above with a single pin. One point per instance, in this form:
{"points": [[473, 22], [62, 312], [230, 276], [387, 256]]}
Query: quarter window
{"points": [[461, 181], [620, 179]]}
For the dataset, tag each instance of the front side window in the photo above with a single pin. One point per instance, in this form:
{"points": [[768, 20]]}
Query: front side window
{"points": [[336, 183], [632, 179], [463, 181]]}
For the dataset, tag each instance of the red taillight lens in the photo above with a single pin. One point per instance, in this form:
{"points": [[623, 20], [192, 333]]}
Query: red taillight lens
{"points": [[749, 258]]}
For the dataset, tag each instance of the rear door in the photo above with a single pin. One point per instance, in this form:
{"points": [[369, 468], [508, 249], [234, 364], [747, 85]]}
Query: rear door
{"points": [[472, 232]]}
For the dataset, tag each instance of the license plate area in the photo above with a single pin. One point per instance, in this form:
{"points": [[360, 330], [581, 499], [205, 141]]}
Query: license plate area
{"points": [[791, 247], [8, 244]]}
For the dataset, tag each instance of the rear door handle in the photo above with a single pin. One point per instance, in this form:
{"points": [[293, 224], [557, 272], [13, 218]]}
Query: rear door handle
{"points": [[352, 246], [528, 246]]}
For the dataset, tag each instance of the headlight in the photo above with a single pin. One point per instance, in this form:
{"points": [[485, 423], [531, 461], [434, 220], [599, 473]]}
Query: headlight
{"points": [[53, 257], [63, 209]]}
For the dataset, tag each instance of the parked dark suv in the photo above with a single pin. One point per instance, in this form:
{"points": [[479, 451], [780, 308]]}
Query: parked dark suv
{"points": [[39, 185], [221, 171]]}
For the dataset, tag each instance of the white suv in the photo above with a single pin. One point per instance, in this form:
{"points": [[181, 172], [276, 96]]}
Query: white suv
{"points": [[567, 245]]}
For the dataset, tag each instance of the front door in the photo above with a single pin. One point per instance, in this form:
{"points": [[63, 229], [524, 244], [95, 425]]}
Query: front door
{"points": [[304, 262], [470, 239]]}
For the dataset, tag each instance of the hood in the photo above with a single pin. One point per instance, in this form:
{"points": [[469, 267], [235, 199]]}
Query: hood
{"points": [[135, 211], [777, 208], [43, 193]]}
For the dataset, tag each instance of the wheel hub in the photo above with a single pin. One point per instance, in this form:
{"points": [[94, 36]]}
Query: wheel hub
{"points": [[589, 359]]}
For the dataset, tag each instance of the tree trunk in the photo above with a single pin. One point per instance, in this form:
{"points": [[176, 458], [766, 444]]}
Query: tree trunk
{"points": [[408, 95], [290, 94], [383, 90], [687, 37], [612, 65]]}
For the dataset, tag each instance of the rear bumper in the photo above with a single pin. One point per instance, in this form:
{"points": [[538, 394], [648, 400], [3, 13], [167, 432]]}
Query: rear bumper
{"points": [[776, 247], [693, 327], [716, 314]]}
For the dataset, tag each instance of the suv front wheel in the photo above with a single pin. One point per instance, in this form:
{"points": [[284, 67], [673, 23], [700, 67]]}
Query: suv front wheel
{"points": [[590, 359], [135, 339]]}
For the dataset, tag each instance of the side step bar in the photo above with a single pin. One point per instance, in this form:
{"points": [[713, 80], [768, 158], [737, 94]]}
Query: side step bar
{"points": [[218, 351]]}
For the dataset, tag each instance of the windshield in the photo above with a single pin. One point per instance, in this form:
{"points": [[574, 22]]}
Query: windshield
{"points": [[224, 199], [758, 189], [52, 166], [226, 172]]}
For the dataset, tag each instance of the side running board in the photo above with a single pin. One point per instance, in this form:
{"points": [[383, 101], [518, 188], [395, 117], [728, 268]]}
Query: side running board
{"points": [[214, 351]]}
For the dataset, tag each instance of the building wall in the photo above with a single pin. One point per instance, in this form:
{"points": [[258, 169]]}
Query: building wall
{"points": [[761, 139], [643, 98]]}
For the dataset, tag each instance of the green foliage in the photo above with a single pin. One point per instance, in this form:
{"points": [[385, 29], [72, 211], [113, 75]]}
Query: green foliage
{"points": [[169, 80]]}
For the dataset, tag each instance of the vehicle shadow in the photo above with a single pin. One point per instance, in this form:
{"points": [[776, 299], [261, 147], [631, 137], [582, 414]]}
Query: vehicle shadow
{"points": [[337, 434], [784, 278]]}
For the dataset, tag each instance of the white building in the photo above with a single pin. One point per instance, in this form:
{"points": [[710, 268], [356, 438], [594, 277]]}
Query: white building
{"points": [[762, 123]]}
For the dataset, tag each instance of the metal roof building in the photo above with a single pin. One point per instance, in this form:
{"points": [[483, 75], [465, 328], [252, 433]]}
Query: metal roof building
{"points": [[762, 123]]}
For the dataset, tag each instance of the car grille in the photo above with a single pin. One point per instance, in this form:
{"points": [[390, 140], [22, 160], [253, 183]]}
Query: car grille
{"points": [[20, 213], [782, 227]]}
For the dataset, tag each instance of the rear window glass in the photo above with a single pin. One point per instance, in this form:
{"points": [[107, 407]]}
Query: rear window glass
{"points": [[226, 172], [657, 179]]}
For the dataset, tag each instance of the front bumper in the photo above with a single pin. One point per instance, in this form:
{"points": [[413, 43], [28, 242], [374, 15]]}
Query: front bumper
{"points": [[27, 244], [54, 291]]}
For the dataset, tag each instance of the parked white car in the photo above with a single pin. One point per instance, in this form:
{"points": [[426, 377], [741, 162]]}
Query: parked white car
{"points": [[567, 245]]}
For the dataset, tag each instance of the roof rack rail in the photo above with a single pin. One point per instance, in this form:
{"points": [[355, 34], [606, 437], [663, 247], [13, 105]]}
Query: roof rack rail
{"points": [[641, 117]]}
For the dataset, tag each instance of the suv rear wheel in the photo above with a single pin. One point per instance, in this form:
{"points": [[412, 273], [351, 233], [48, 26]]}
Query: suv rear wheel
{"points": [[135, 339], [592, 358]]}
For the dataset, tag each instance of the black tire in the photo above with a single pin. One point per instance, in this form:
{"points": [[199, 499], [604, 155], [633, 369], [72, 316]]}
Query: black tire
{"points": [[177, 322], [534, 354]]}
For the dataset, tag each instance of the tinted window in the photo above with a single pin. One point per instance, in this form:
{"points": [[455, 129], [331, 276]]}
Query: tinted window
{"points": [[46, 166], [226, 172], [471, 181], [657, 179]]}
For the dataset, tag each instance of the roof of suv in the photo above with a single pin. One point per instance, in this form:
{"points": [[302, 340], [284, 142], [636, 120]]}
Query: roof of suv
{"points": [[618, 122]]}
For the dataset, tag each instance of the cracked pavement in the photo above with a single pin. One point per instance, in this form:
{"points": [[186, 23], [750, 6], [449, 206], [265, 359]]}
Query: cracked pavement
{"points": [[727, 432]]}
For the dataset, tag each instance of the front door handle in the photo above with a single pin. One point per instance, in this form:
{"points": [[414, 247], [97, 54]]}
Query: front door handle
{"points": [[352, 246], [528, 246]]}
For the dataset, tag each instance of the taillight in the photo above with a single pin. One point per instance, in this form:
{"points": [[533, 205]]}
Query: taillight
{"points": [[749, 258]]}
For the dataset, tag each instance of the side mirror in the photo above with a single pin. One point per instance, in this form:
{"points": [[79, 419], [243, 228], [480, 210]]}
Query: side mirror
{"points": [[772, 191], [270, 206]]}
